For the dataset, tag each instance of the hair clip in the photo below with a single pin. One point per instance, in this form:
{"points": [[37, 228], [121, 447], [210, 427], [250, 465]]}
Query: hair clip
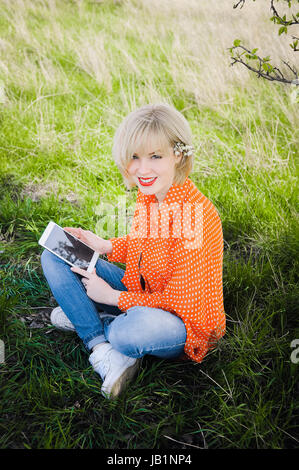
{"points": [[186, 150]]}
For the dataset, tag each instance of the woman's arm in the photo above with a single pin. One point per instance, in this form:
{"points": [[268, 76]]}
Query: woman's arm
{"points": [[119, 248]]}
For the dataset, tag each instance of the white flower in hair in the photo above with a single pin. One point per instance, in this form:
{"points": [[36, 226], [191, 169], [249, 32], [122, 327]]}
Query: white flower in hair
{"points": [[186, 150]]}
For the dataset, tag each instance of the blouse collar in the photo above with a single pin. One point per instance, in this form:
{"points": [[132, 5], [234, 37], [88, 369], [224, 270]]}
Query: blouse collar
{"points": [[175, 194]]}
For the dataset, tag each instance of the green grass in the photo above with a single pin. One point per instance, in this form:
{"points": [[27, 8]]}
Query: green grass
{"points": [[61, 107]]}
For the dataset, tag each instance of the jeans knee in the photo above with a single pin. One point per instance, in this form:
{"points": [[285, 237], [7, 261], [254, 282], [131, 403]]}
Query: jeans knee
{"points": [[121, 339], [45, 258], [143, 331], [49, 260]]}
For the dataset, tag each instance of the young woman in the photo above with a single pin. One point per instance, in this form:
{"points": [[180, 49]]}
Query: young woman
{"points": [[168, 302]]}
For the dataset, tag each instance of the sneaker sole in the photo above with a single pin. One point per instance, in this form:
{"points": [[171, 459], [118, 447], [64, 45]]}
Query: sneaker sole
{"points": [[64, 328], [120, 384]]}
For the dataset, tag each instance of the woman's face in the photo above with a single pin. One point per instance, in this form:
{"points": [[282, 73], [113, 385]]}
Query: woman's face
{"points": [[152, 167]]}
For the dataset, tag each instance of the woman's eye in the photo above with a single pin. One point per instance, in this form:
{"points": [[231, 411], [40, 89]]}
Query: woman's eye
{"points": [[134, 157]]}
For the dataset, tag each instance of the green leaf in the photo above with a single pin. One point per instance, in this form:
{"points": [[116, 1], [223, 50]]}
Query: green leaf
{"points": [[251, 56], [267, 67], [237, 42], [282, 29]]}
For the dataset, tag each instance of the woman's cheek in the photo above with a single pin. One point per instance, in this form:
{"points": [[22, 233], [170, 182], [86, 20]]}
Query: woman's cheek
{"points": [[132, 168]]}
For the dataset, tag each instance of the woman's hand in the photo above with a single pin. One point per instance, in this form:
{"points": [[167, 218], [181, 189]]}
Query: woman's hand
{"points": [[96, 288], [98, 244]]}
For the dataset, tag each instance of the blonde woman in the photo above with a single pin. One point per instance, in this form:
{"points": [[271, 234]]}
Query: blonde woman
{"points": [[168, 302]]}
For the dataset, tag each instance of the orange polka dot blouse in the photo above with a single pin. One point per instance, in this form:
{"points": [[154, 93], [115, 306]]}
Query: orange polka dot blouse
{"points": [[181, 243]]}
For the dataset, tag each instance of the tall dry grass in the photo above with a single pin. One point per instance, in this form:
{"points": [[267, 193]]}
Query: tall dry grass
{"points": [[144, 51], [197, 57]]}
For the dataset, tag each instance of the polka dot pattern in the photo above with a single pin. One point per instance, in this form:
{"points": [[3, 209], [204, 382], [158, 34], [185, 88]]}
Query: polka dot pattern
{"points": [[181, 243]]}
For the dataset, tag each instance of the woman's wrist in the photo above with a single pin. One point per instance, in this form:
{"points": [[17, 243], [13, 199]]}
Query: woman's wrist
{"points": [[103, 246], [115, 297], [109, 247]]}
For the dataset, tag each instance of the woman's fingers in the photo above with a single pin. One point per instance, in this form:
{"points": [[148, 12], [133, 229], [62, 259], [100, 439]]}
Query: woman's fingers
{"points": [[72, 231], [78, 233], [82, 272], [86, 275]]}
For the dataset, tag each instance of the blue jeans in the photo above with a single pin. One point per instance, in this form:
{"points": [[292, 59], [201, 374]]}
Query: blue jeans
{"points": [[136, 332]]}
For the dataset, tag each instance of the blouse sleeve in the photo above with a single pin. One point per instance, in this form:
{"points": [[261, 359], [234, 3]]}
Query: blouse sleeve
{"points": [[119, 249]]}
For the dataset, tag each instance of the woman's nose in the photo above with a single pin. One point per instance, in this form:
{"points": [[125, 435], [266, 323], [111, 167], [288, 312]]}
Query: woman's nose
{"points": [[144, 167]]}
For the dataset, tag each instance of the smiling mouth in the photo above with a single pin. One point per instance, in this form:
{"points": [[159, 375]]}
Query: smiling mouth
{"points": [[147, 181]]}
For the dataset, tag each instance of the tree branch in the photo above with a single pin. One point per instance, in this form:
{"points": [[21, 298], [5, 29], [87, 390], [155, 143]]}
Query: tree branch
{"points": [[282, 20], [237, 4], [263, 68]]}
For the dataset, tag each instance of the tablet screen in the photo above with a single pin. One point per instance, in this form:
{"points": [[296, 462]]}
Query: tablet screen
{"points": [[69, 248]]}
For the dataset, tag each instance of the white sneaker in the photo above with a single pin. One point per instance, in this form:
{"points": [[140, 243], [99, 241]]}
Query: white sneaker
{"points": [[61, 321], [115, 368]]}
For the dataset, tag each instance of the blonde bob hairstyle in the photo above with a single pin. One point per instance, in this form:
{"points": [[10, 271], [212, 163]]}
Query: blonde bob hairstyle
{"points": [[153, 120]]}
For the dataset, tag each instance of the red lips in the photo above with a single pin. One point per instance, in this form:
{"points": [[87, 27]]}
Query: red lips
{"points": [[149, 183]]}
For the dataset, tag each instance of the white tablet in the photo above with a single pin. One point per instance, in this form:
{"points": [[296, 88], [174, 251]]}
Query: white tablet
{"points": [[67, 247]]}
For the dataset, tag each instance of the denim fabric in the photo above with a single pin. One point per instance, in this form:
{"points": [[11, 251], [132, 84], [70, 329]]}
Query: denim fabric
{"points": [[138, 331]]}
